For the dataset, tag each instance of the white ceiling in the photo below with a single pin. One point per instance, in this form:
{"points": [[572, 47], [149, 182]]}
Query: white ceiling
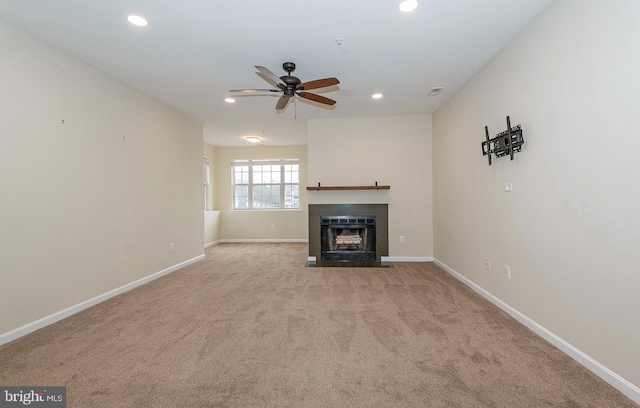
{"points": [[194, 51]]}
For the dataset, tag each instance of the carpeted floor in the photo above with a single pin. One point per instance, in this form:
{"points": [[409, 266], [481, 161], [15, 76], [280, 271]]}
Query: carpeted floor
{"points": [[250, 326]]}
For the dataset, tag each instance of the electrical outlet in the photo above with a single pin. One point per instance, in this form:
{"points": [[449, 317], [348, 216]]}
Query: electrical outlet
{"points": [[171, 247], [402, 240], [487, 264], [507, 271]]}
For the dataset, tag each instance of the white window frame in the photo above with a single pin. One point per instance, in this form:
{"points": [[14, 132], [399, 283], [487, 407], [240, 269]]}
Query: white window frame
{"points": [[206, 182], [250, 163]]}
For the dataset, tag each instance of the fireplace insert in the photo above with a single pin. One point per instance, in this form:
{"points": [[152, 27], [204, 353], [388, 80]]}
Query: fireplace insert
{"points": [[348, 238]]}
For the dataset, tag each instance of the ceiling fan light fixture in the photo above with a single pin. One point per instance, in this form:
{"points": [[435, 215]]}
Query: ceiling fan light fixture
{"points": [[137, 20], [408, 6], [252, 139], [229, 100], [377, 96]]}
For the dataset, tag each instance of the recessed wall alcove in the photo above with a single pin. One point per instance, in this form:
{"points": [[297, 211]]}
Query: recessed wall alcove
{"points": [[363, 231]]}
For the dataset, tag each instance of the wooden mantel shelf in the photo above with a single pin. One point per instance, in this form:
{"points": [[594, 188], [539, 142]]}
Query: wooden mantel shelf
{"points": [[348, 188]]}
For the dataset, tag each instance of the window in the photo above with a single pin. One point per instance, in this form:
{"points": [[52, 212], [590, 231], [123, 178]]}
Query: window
{"points": [[206, 181], [265, 184]]}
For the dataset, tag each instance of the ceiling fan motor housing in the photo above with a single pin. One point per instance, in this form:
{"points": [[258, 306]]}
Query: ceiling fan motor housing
{"points": [[291, 83]]}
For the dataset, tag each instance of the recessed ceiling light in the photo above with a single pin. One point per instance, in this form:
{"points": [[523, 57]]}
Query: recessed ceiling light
{"points": [[408, 5], [137, 20], [253, 139], [229, 100], [376, 96]]}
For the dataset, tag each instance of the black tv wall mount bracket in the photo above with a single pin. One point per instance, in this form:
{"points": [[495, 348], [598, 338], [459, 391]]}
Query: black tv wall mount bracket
{"points": [[505, 143]]}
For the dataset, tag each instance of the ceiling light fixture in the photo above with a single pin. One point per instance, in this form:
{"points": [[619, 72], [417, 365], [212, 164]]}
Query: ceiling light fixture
{"points": [[376, 96], [408, 5], [253, 139], [137, 20], [229, 100], [435, 91]]}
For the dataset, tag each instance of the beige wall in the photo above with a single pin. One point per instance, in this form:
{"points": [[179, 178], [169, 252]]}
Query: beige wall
{"points": [[211, 228], [394, 151], [92, 204], [257, 225], [571, 227]]}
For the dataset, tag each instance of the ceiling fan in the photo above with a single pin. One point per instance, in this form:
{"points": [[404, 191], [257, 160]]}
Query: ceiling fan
{"points": [[291, 86]]}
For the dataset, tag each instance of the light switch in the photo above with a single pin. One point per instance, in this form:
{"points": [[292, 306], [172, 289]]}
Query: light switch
{"points": [[508, 187]]}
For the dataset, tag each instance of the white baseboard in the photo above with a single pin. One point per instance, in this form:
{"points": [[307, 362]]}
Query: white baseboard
{"points": [[45, 321], [276, 240], [624, 386], [407, 259], [210, 244]]}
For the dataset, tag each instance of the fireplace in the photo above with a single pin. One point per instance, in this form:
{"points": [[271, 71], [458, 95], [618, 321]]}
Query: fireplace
{"points": [[348, 238], [348, 234]]}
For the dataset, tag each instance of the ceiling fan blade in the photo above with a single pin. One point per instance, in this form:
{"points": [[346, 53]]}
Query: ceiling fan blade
{"points": [[255, 90], [270, 75], [318, 83], [282, 103], [317, 98]]}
